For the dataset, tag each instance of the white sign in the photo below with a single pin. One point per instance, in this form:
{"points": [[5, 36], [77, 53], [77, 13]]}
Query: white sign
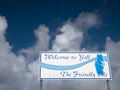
{"points": [[74, 65]]}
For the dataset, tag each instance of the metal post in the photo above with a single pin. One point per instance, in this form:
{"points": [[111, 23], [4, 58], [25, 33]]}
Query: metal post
{"points": [[41, 84], [108, 84]]}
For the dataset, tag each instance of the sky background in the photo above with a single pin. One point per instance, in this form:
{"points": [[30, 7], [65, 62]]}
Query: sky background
{"points": [[25, 16], [26, 27]]}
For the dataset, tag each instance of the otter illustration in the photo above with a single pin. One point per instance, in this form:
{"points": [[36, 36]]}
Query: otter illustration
{"points": [[99, 65]]}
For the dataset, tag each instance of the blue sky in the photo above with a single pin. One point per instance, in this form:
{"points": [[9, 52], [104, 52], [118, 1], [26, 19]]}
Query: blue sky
{"points": [[25, 16], [30, 26]]}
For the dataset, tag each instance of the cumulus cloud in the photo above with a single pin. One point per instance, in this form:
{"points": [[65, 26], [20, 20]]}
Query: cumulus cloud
{"points": [[114, 48], [72, 32], [22, 69], [86, 20], [31, 54], [15, 73], [3, 24], [70, 39], [41, 44], [21, 72], [12, 68]]}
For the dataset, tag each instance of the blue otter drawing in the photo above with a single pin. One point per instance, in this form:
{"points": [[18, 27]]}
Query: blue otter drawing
{"points": [[99, 65]]}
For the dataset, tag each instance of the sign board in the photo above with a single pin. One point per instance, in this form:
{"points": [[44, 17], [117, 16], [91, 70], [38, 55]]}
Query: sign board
{"points": [[74, 65]]}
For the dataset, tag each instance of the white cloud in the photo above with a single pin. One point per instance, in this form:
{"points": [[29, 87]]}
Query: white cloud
{"points": [[72, 32], [23, 73], [86, 20], [16, 72], [13, 72], [41, 44], [20, 72], [3, 24], [70, 39], [31, 54], [114, 51]]}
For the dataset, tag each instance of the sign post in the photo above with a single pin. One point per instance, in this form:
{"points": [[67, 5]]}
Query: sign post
{"points": [[74, 65], [41, 84], [108, 84]]}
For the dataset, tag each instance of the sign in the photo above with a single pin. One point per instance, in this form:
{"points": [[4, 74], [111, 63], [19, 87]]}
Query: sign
{"points": [[74, 65]]}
